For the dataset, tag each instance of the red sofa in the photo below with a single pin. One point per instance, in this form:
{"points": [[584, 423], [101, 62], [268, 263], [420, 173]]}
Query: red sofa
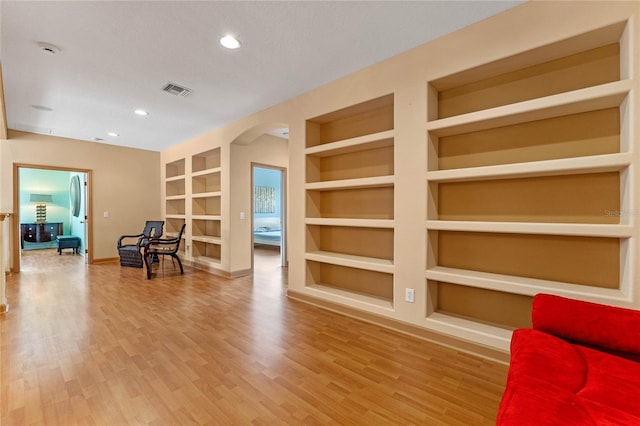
{"points": [[578, 365]]}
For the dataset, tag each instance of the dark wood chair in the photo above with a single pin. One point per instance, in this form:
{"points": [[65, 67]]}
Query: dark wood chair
{"points": [[163, 247], [130, 246]]}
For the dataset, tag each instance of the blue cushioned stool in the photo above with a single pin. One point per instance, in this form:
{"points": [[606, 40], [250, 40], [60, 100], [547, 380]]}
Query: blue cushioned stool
{"points": [[68, 241]]}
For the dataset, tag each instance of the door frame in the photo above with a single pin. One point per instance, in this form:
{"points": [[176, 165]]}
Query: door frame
{"points": [[284, 258], [16, 209]]}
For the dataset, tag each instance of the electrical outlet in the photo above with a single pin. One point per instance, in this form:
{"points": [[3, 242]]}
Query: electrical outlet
{"points": [[409, 295]]}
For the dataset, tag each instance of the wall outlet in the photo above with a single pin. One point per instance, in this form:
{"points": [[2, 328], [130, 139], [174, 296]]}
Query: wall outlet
{"points": [[409, 295]]}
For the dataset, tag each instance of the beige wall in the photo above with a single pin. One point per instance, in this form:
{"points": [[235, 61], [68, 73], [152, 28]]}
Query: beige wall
{"points": [[266, 150], [506, 35], [126, 182]]}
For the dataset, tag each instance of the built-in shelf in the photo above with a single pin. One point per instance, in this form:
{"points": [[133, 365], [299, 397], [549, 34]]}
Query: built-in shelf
{"points": [[350, 201], [207, 239], [467, 329], [363, 223], [205, 172], [360, 262], [207, 194], [545, 228], [370, 182], [523, 285], [175, 178], [351, 297], [589, 99], [530, 175], [206, 217], [346, 146], [565, 166]]}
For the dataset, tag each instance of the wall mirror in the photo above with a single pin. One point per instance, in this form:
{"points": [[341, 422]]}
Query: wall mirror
{"points": [[74, 195]]}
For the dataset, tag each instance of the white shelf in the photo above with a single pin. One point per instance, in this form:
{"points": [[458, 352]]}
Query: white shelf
{"points": [[206, 217], [522, 285], [565, 166], [589, 99], [207, 239], [369, 182], [350, 145], [206, 172], [352, 261], [206, 194], [175, 197], [175, 178], [175, 216], [546, 228], [350, 298], [206, 260], [474, 331], [361, 223]]}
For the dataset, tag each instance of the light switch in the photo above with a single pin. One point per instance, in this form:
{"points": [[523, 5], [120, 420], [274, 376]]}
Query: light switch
{"points": [[242, 216], [105, 214]]}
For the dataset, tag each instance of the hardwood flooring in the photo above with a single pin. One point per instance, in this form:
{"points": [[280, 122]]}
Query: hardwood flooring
{"points": [[102, 345]]}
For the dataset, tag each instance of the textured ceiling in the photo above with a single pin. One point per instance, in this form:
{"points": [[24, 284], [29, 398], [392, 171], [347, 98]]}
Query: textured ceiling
{"points": [[115, 56]]}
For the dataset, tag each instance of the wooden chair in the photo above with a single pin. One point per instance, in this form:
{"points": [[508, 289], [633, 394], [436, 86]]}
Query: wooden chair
{"points": [[131, 252], [163, 247]]}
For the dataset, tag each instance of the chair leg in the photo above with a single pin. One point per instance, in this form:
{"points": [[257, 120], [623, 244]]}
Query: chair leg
{"points": [[175, 256], [147, 262]]}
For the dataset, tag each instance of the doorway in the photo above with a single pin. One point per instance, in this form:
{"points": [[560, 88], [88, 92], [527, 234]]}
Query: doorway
{"points": [[50, 201], [268, 209]]}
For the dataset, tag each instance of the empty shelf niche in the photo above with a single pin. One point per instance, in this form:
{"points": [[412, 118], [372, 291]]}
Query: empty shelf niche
{"points": [[580, 62], [205, 160], [172, 226], [376, 243], [570, 136], [174, 169], [360, 203], [206, 206], [587, 261], [491, 307], [206, 251], [572, 198], [206, 228], [353, 162], [366, 118], [360, 284], [175, 207], [205, 183], [174, 188]]}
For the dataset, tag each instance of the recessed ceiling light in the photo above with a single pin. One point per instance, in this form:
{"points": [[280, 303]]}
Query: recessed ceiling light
{"points": [[141, 112], [229, 42], [114, 134]]}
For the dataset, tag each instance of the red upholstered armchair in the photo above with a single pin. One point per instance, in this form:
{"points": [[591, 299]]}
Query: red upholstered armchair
{"points": [[578, 365]]}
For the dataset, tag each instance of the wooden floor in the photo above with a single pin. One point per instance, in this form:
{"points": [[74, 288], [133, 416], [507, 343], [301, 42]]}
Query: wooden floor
{"points": [[102, 345]]}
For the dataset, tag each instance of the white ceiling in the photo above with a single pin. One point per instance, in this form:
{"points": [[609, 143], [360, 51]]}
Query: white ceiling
{"points": [[115, 56]]}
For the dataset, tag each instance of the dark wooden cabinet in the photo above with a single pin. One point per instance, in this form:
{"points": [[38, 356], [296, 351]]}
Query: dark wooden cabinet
{"points": [[39, 232]]}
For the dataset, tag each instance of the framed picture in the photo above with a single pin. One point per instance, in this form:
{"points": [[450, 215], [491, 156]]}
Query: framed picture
{"points": [[264, 199]]}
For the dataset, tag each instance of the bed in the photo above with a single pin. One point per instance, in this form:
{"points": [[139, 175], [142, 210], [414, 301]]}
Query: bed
{"points": [[267, 231]]}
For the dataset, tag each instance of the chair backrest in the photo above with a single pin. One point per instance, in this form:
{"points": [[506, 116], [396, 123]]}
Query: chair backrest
{"points": [[153, 228]]}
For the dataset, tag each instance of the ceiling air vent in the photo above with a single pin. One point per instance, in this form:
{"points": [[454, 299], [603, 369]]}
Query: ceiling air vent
{"points": [[174, 89]]}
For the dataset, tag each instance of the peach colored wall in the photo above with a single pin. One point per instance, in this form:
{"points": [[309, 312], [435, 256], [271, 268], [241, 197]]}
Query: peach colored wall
{"points": [[523, 28], [126, 182], [268, 150]]}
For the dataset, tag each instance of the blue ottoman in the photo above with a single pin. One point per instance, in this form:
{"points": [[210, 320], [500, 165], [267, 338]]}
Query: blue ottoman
{"points": [[68, 241]]}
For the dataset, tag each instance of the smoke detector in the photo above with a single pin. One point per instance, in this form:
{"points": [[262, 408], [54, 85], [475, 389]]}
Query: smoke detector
{"points": [[176, 89], [48, 48]]}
